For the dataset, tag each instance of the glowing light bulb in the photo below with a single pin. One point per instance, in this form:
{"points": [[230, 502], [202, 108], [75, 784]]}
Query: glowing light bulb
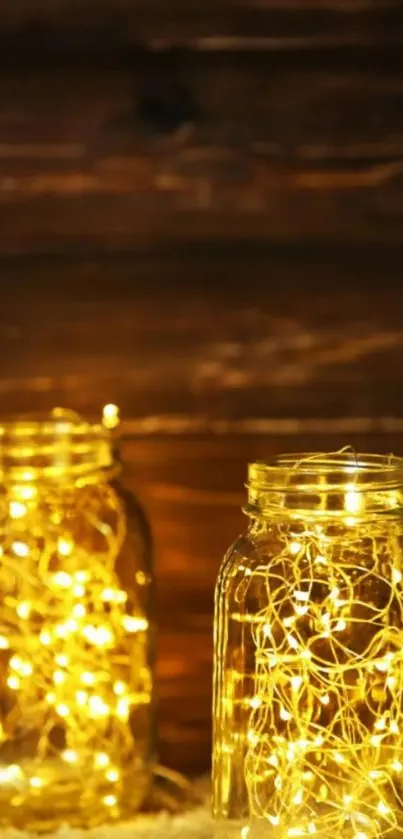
{"points": [[353, 501], [110, 416], [252, 737], [4, 643], [303, 596], [10, 774], [289, 621], [62, 579], [63, 710], [23, 668], [20, 549], [24, 610], [45, 637], [274, 820], [88, 678], [112, 775], [132, 624], [109, 800], [71, 625], [98, 707], [59, 677], [101, 760], [70, 756], [340, 626], [17, 510], [13, 682], [64, 547], [79, 610], [295, 548], [300, 610], [36, 782]]}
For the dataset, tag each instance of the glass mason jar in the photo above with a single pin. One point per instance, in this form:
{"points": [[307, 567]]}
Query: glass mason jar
{"points": [[308, 695], [76, 633]]}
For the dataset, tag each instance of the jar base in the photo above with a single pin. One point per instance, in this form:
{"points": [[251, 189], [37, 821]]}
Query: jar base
{"points": [[48, 812]]}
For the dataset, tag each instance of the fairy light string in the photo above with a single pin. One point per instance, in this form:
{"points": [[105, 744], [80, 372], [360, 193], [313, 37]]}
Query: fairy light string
{"points": [[73, 652], [323, 737]]}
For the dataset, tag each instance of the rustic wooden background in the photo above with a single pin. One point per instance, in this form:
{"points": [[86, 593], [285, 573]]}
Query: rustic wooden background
{"points": [[201, 210]]}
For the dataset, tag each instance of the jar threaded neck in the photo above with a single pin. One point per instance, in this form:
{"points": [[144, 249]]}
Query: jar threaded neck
{"points": [[335, 483]]}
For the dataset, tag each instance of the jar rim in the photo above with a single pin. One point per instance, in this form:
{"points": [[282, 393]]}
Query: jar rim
{"points": [[324, 473], [56, 445]]}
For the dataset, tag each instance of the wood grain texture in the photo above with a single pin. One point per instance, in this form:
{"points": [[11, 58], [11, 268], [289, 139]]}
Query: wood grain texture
{"points": [[242, 335], [188, 147], [82, 25]]}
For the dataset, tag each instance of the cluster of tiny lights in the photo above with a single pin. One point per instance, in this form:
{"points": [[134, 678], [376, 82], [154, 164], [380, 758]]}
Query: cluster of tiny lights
{"points": [[324, 724], [73, 650]]}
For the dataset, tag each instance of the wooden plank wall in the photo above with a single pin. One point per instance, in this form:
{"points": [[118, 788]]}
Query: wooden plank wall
{"points": [[201, 220]]}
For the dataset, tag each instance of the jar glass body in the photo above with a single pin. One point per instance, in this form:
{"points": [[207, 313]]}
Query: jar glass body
{"points": [[76, 631], [308, 682]]}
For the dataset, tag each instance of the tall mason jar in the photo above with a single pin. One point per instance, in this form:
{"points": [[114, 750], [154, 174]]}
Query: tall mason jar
{"points": [[76, 630], [308, 693]]}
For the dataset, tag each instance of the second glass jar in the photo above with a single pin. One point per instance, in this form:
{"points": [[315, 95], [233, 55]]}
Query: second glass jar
{"points": [[76, 630]]}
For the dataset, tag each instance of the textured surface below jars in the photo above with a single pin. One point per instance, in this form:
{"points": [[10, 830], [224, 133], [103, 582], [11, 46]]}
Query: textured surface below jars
{"points": [[75, 683]]}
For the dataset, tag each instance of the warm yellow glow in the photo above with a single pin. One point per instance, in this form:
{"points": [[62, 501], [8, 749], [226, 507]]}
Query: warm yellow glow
{"points": [[110, 416], [70, 756], [36, 782], [112, 775], [24, 610], [74, 654], [88, 678], [134, 624], [17, 510], [65, 547], [62, 579], [101, 760], [110, 800], [312, 729], [20, 549]]}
